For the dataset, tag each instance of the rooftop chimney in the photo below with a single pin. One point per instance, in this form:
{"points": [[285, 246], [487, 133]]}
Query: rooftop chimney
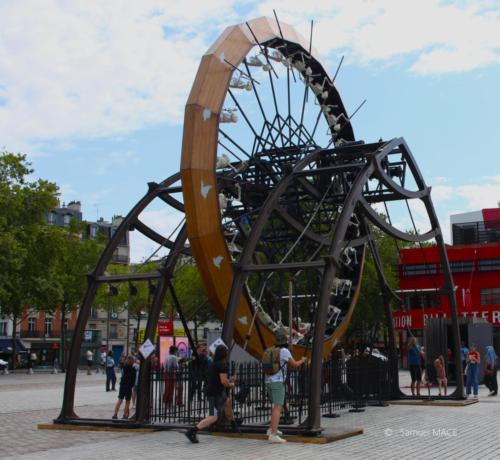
{"points": [[75, 206]]}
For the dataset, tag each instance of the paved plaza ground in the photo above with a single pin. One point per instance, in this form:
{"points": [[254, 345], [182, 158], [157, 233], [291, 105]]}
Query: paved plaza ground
{"points": [[394, 432]]}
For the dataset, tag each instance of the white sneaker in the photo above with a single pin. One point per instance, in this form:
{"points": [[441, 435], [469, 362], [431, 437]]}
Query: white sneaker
{"points": [[474, 397], [275, 439], [278, 432]]}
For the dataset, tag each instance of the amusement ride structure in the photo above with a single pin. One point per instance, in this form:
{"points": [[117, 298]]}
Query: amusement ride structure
{"points": [[277, 202]]}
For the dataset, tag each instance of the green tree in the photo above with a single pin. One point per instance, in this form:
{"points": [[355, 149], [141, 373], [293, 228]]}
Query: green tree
{"points": [[75, 257], [369, 317], [192, 296], [26, 260]]}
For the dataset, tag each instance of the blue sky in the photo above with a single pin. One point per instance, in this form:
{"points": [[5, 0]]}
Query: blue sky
{"points": [[94, 92]]}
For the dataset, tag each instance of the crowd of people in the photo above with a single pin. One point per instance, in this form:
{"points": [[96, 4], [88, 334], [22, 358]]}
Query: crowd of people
{"points": [[423, 371], [220, 382]]}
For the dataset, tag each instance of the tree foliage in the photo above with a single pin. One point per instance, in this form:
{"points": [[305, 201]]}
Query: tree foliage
{"points": [[27, 244], [369, 318]]}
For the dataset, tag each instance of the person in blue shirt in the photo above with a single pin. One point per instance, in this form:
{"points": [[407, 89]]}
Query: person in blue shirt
{"points": [[110, 371], [463, 355], [415, 363]]}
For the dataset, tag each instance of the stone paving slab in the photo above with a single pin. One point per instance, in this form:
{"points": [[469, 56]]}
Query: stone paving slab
{"points": [[394, 432]]}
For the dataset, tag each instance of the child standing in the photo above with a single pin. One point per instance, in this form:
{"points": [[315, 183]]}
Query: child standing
{"points": [[126, 384], [441, 374]]}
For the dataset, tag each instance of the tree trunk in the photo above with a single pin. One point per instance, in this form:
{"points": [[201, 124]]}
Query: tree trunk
{"points": [[14, 348]]}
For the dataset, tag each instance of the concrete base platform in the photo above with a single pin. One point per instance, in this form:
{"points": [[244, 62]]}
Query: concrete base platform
{"points": [[56, 426], [434, 402], [327, 436]]}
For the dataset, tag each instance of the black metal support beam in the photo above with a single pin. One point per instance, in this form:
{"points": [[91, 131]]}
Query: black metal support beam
{"points": [[67, 410], [284, 267], [128, 277], [167, 271]]}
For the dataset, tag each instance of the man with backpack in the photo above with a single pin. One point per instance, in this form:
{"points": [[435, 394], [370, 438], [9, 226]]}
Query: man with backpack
{"points": [[275, 363]]}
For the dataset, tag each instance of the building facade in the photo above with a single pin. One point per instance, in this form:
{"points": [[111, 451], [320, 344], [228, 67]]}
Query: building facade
{"points": [[40, 333], [474, 260], [62, 217]]}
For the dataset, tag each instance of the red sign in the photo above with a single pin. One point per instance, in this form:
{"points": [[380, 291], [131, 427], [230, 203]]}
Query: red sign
{"points": [[165, 327], [415, 319]]}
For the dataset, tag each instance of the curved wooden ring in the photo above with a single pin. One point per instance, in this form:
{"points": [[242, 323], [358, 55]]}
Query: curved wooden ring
{"points": [[199, 151]]}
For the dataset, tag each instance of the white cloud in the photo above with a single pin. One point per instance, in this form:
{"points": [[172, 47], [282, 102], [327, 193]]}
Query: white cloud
{"points": [[493, 178], [442, 192], [479, 196], [72, 70], [464, 198], [440, 37], [90, 69]]}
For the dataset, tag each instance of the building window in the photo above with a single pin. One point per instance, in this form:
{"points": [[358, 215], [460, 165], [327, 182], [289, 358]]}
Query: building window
{"points": [[421, 300], [113, 331], [93, 312], [52, 218], [67, 219], [65, 324], [419, 269], [3, 327], [31, 324], [489, 264], [490, 296], [48, 327], [461, 266], [93, 232]]}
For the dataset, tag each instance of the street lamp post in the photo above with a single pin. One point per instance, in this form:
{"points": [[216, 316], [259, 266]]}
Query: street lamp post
{"points": [[113, 291]]}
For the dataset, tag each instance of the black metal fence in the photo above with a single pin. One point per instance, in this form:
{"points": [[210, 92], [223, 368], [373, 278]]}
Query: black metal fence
{"points": [[179, 398]]}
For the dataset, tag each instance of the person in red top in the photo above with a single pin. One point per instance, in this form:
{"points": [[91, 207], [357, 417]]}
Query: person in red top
{"points": [[472, 371]]}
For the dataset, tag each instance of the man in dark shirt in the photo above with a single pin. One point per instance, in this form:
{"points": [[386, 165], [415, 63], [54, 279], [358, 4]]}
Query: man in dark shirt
{"points": [[198, 373], [127, 382]]}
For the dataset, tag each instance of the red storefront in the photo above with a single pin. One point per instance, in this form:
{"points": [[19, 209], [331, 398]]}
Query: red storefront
{"points": [[476, 274]]}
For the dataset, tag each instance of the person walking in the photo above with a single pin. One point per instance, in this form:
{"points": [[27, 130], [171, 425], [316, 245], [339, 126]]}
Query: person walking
{"points": [[110, 371], [472, 371], [104, 356], [127, 382], [441, 374], [90, 357], [490, 371], [32, 357], [29, 363], [275, 385], [219, 403], [415, 356]]}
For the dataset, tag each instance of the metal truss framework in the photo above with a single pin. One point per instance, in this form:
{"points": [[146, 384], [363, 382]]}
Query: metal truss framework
{"points": [[280, 226]]}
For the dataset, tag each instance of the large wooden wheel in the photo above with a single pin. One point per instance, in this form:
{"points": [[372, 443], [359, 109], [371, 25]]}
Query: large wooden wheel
{"points": [[261, 106]]}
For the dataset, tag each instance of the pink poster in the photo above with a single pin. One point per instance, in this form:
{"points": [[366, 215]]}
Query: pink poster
{"points": [[183, 350], [165, 343]]}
